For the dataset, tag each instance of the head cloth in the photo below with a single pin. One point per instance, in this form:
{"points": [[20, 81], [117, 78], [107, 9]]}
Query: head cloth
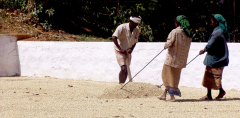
{"points": [[184, 24], [223, 25], [135, 19]]}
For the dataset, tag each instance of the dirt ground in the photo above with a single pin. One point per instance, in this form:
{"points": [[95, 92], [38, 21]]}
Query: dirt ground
{"points": [[31, 97], [11, 22]]}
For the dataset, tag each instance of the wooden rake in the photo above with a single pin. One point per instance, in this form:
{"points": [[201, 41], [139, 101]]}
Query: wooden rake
{"points": [[141, 69]]}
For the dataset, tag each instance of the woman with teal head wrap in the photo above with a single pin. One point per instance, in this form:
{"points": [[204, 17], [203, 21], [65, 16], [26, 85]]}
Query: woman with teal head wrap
{"points": [[223, 25], [217, 57], [178, 44]]}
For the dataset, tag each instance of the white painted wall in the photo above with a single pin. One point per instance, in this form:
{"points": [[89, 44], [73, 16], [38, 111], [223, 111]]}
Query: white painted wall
{"points": [[9, 59], [96, 61]]}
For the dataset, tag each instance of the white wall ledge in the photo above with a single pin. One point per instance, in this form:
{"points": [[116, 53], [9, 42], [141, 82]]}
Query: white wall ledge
{"points": [[96, 61]]}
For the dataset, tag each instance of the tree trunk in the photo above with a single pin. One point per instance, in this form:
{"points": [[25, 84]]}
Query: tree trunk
{"points": [[234, 16], [118, 8]]}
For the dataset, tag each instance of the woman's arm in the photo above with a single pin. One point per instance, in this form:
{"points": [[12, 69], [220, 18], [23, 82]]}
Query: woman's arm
{"points": [[211, 41], [170, 40]]}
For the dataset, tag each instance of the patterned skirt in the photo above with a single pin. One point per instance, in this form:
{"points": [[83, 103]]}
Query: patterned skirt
{"points": [[213, 78], [171, 77]]}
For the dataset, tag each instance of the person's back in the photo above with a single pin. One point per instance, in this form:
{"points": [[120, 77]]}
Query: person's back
{"points": [[178, 51], [178, 44]]}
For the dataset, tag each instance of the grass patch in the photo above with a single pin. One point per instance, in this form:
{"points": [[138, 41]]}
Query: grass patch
{"points": [[90, 38]]}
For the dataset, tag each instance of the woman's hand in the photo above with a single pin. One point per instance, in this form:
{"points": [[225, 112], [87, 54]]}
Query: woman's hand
{"points": [[202, 52]]}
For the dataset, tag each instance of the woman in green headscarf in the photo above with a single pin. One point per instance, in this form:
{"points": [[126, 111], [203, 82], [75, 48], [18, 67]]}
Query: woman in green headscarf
{"points": [[216, 58], [178, 44]]}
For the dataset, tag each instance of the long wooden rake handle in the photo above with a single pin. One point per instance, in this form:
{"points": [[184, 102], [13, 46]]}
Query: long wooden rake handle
{"points": [[143, 68], [128, 68]]}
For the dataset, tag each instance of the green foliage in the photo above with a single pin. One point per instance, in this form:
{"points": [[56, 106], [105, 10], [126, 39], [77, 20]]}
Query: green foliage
{"points": [[122, 16], [91, 38], [33, 9], [14, 4], [104, 16], [46, 26], [50, 12], [3, 13]]}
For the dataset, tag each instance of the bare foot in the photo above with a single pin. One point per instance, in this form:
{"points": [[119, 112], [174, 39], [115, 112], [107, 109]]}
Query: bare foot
{"points": [[220, 95], [171, 100], [205, 98], [162, 98]]}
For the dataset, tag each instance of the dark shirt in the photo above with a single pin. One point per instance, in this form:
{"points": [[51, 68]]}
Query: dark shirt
{"points": [[217, 50]]}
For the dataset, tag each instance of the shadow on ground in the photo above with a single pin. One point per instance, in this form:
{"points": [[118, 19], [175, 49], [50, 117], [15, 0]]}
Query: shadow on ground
{"points": [[198, 100]]}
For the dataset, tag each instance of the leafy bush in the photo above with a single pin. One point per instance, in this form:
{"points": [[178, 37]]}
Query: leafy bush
{"points": [[14, 4], [104, 16], [31, 10], [122, 16]]}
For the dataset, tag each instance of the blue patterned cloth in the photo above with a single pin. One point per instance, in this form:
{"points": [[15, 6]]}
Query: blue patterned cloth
{"points": [[173, 91]]}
